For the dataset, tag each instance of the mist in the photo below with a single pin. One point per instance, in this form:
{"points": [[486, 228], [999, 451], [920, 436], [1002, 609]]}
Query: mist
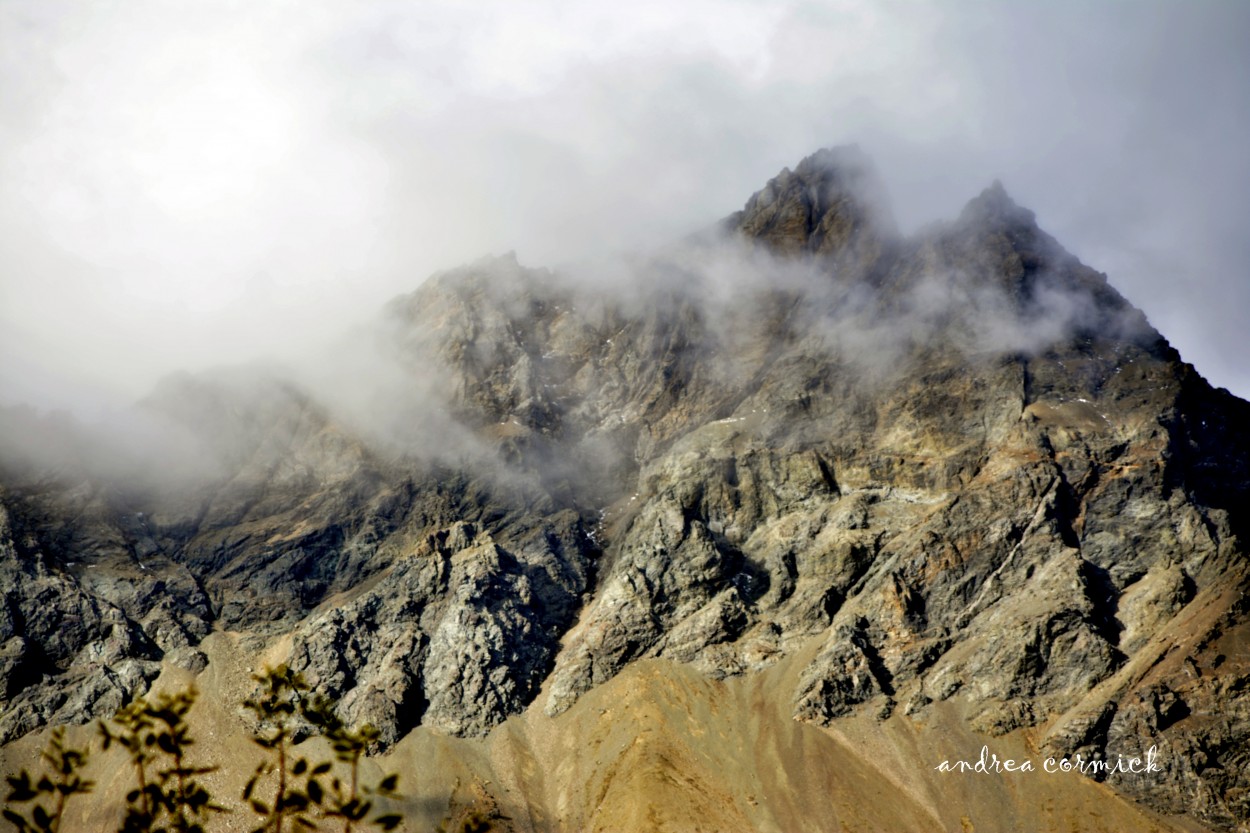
{"points": [[202, 185]]}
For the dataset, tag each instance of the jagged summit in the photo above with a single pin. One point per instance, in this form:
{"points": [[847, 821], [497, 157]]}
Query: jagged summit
{"points": [[832, 204], [992, 269], [994, 207]]}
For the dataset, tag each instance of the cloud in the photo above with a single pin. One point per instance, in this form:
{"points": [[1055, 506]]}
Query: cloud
{"points": [[196, 185]]}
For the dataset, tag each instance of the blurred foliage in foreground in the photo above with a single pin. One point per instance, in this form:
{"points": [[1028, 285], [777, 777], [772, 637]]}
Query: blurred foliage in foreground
{"points": [[287, 792]]}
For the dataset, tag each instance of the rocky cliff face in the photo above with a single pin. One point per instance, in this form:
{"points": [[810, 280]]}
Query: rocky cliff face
{"points": [[954, 471]]}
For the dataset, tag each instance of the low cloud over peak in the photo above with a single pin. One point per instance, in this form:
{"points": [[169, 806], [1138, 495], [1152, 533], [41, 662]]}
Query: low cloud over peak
{"points": [[190, 188]]}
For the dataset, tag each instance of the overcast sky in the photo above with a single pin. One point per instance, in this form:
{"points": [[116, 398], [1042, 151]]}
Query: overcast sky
{"points": [[193, 183]]}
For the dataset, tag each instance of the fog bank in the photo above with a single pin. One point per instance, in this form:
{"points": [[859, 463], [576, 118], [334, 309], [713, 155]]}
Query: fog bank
{"points": [[196, 185]]}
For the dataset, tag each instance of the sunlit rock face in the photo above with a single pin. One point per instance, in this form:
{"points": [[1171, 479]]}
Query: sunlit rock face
{"points": [[950, 469]]}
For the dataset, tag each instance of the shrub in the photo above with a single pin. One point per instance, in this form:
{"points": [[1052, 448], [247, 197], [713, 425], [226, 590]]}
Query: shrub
{"points": [[301, 793], [168, 799], [288, 792]]}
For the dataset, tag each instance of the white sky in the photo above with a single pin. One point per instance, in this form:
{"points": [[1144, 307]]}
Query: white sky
{"points": [[200, 182]]}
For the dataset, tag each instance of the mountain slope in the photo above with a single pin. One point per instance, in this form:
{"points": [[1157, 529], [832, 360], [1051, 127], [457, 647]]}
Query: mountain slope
{"points": [[948, 486]]}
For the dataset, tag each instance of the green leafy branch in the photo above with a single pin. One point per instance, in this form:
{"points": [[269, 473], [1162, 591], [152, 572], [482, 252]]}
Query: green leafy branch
{"points": [[60, 781], [170, 799], [282, 703]]}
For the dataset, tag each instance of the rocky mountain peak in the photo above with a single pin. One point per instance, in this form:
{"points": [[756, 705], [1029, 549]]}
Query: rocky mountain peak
{"points": [[995, 208], [1013, 274], [832, 204]]}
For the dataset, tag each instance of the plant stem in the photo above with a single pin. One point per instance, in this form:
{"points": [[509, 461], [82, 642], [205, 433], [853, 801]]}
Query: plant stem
{"points": [[347, 820], [278, 805], [56, 814], [143, 790], [181, 821]]}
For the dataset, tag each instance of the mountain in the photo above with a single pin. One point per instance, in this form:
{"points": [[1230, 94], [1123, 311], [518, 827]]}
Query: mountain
{"points": [[753, 533]]}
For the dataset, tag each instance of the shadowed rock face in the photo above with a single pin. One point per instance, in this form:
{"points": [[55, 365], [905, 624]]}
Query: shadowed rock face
{"points": [[956, 467]]}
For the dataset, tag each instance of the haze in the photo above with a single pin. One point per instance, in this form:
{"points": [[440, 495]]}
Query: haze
{"points": [[187, 185]]}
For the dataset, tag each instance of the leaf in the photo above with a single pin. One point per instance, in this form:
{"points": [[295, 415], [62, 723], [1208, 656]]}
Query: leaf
{"points": [[18, 821], [322, 768], [388, 783], [388, 822], [21, 789], [259, 806]]}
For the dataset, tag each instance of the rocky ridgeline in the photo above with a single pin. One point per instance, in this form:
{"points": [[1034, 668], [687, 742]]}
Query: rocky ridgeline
{"points": [[953, 467]]}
